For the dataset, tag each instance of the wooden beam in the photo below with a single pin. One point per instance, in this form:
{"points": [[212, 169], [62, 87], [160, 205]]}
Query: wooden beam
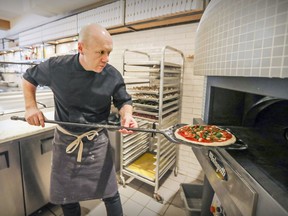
{"points": [[4, 24]]}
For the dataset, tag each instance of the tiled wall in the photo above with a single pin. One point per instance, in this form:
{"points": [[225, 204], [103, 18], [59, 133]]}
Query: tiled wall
{"points": [[243, 38], [180, 37]]}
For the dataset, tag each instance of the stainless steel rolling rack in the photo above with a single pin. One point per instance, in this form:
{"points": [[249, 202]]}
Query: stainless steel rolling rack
{"points": [[156, 89]]}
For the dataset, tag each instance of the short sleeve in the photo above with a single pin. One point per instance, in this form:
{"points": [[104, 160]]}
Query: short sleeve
{"points": [[39, 74], [120, 96]]}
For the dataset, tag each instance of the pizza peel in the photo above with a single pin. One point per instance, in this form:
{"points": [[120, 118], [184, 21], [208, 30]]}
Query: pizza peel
{"points": [[168, 133]]}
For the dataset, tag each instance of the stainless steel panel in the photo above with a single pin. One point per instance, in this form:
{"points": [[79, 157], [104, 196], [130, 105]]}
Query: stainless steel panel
{"points": [[11, 191], [36, 168], [228, 190]]}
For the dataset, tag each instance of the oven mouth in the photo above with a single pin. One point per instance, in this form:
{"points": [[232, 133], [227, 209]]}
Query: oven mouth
{"points": [[250, 118]]}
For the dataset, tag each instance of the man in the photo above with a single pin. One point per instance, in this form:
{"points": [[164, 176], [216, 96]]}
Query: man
{"points": [[83, 86]]}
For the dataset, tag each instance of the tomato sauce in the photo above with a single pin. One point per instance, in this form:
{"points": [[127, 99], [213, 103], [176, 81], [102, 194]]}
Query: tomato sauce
{"points": [[204, 133]]}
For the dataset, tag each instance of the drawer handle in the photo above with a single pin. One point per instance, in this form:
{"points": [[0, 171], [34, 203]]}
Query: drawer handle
{"points": [[4, 160], [46, 145]]}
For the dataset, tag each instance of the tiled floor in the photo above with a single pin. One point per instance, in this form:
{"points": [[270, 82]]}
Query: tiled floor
{"points": [[137, 199]]}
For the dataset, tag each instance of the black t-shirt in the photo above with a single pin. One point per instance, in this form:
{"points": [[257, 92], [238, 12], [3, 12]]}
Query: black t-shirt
{"points": [[79, 95]]}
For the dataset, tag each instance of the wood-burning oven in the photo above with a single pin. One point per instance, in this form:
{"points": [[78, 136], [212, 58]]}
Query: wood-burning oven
{"points": [[256, 111], [241, 48]]}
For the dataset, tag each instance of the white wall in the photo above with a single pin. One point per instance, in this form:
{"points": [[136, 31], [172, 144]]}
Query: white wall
{"points": [[180, 37]]}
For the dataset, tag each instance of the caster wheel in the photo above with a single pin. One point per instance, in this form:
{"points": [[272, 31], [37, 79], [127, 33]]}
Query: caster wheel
{"points": [[158, 198], [122, 181], [175, 171]]}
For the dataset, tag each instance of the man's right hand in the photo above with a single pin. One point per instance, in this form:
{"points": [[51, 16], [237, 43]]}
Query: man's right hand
{"points": [[35, 117]]}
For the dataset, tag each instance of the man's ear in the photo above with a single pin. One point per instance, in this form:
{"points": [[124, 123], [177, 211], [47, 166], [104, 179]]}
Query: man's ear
{"points": [[80, 48]]}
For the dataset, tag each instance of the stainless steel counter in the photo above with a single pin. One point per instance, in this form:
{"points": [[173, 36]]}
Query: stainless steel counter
{"points": [[13, 101]]}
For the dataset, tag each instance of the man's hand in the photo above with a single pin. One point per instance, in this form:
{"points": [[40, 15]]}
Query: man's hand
{"points": [[127, 119], [35, 117]]}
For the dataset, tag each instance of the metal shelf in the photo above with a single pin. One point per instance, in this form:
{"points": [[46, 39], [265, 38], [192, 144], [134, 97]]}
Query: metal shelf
{"points": [[156, 102]]}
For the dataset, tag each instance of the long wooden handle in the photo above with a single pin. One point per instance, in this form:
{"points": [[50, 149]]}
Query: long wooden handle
{"points": [[91, 125]]}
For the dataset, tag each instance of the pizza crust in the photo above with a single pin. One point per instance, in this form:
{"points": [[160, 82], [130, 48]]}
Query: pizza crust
{"points": [[223, 143]]}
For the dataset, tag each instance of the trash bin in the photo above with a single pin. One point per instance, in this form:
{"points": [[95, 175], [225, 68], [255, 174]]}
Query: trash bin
{"points": [[191, 194]]}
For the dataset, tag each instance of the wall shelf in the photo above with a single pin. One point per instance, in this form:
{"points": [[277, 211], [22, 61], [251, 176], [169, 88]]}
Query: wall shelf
{"points": [[167, 20]]}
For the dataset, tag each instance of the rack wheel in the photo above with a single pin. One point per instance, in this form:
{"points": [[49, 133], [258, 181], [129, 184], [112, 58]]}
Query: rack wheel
{"points": [[158, 197], [175, 171], [122, 181]]}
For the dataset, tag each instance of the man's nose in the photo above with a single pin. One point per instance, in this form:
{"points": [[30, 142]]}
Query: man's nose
{"points": [[105, 58]]}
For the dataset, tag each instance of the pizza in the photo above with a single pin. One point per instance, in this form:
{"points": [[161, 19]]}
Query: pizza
{"points": [[207, 135]]}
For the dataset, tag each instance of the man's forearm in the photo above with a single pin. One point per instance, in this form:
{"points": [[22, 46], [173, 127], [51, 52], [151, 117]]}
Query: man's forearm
{"points": [[29, 92], [126, 109]]}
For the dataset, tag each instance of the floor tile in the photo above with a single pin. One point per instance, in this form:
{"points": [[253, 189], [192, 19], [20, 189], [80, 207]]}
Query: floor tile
{"points": [[123, 198], [173, 210], [171, 185], [157, 207], [177, 201], [127, 191], [141, 198], [90, 204], [166, 194], [147, 189], [179, 178], [132, 208], [148, 212], [99, 210]]}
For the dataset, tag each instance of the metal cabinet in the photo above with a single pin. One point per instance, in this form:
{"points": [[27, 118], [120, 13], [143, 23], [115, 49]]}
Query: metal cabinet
{"points": [[36, 167], [155, 87], [11, 193]]}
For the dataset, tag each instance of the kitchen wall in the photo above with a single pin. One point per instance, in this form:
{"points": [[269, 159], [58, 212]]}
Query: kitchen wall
{"points": [[152, 41]]}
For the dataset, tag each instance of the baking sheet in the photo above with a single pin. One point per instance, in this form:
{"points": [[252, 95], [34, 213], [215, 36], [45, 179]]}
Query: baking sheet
{"points": [[144, 166], [136, 97]]}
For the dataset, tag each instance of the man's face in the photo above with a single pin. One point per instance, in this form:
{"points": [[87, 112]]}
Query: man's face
{"points": [[96, 55]]}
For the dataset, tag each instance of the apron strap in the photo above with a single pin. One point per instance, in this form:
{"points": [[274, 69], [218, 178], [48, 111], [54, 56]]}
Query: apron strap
{"points": [[78, 141]]}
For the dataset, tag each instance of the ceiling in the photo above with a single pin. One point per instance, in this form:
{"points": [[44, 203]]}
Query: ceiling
{"points": [[13, 10]]}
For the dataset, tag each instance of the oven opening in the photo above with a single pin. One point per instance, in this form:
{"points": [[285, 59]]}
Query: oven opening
{"points": [[261, 122], [237, 108]]}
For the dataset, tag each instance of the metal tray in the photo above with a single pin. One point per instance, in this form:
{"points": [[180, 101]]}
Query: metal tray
{"points": [[152, 64], [135, 97]]}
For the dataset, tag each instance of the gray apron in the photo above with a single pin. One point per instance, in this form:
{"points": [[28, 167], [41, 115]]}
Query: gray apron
{"points": [[92, 178]]}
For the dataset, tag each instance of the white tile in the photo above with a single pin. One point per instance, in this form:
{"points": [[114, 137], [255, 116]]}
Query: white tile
{"points": [[166, 194], [99, 210], [178, 178], [177, 201], [123, 199], [148, 212], [173, 210], [157, 207], [132, 208], [141, 198], [171, 185], [127, 191], [91, 204]]}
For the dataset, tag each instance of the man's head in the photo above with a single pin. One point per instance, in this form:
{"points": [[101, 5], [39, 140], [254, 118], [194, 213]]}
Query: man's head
{"points": [[94, 45]]}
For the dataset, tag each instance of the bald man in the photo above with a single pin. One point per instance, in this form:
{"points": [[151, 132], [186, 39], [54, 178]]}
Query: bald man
{"points": [[84, 85]]}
